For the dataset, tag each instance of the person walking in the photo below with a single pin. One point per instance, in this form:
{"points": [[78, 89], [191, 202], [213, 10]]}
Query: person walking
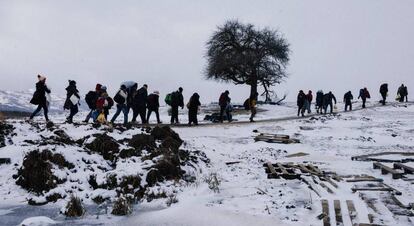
{"points": [[301, 103], [139, 105], [103, 105], [309, 98], [402, 93], [364, 95], [384, 92], [193, 106], [223, 102], [72, 100], [348, 97], [327, 101], [177, 100], [319, 101], [153, 105], [252, 106], [91, 98], [121, 99], [39, 97]]}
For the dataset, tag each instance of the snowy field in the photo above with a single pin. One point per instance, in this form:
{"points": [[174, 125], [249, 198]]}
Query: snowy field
{"points": [[243, 195]]}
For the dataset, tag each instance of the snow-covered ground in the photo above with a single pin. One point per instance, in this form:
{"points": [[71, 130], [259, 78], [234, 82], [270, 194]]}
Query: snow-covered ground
{"points": [[245, 195]]}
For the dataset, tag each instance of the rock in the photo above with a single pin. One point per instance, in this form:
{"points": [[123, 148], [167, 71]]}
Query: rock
{"points": [[62, 137], [142, 142], [167, 168], [5, 161], [104, 145], [54, 197]]}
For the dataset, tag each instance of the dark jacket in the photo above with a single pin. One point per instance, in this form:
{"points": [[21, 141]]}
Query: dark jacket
{"points": [[177, 99], [327, 99], [403, 91], [301, 99], [153, 102], [70, 90], [348, 97], [224, 99], [140, 98], [364, 94], [384, 88], [319, 98], [39, 96], [194, 103]]}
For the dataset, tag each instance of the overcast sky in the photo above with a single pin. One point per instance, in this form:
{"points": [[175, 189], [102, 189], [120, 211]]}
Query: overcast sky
{"points": [[335, 45]]}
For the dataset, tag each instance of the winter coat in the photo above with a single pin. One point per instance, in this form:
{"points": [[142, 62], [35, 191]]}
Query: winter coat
{"points": [[104, 102], [348, 97], [224, 99], [153, 102], [177, 99], [39, 96], [402, 91], [91, 98], [384, 89], [319, 98], [70, 91], [364, 94], [301, 99], [140, 98], [194, 103], [327, 99], [309, 97]]}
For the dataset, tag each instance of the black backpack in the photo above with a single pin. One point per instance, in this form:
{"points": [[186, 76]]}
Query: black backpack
{"points": [[118, 98], [90, 99]]}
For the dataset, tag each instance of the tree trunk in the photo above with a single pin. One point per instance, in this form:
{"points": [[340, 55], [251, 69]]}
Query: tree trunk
{"points": [[253, 89]]}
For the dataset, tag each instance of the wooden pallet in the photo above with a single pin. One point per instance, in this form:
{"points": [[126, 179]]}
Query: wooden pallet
{"points": [[388, 170], [276, 138], [407, 169], [278, 170], [372, 157]]}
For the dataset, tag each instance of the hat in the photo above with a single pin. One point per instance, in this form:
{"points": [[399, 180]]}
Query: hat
{"points": [[41, 78], [103, 88], [156, 92], [98, 87]]}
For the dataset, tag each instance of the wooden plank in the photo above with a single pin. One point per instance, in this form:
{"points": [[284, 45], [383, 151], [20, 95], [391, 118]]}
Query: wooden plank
{"points": [[367, 179], [338, 214], [331, 182], [325, 211], [407, 169], [282, 168], [326, 187], [385, 170], [273, 173], [315, 169], [372, 189], [352, 211]]}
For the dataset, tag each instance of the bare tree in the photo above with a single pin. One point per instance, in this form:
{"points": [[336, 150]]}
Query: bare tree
{"points": [[242, 54]]}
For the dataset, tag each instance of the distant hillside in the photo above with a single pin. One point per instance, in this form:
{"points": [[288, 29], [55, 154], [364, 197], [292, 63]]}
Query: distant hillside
{"points": [[19, 101]]}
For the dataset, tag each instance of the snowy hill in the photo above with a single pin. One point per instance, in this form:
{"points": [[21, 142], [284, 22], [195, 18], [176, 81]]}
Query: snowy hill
{"points": [[20, 101]]}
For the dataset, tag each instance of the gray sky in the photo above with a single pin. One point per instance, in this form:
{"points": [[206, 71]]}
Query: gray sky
{"points": [[337, 45]]}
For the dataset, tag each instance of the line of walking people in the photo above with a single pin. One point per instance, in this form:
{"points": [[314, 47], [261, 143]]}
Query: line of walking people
{"points": [[323, 101], [126, 98]]}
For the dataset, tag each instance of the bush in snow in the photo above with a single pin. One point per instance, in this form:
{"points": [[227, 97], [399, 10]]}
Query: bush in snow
{"points": [[36, 173], [142, 141], [121, 207], [5, 130], [161, 133], [105, 145], [74, 207]]}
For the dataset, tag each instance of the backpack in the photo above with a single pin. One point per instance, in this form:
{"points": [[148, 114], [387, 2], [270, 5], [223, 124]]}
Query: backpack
{"points": [[118, 98], [168, 99], [90, 99]]}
